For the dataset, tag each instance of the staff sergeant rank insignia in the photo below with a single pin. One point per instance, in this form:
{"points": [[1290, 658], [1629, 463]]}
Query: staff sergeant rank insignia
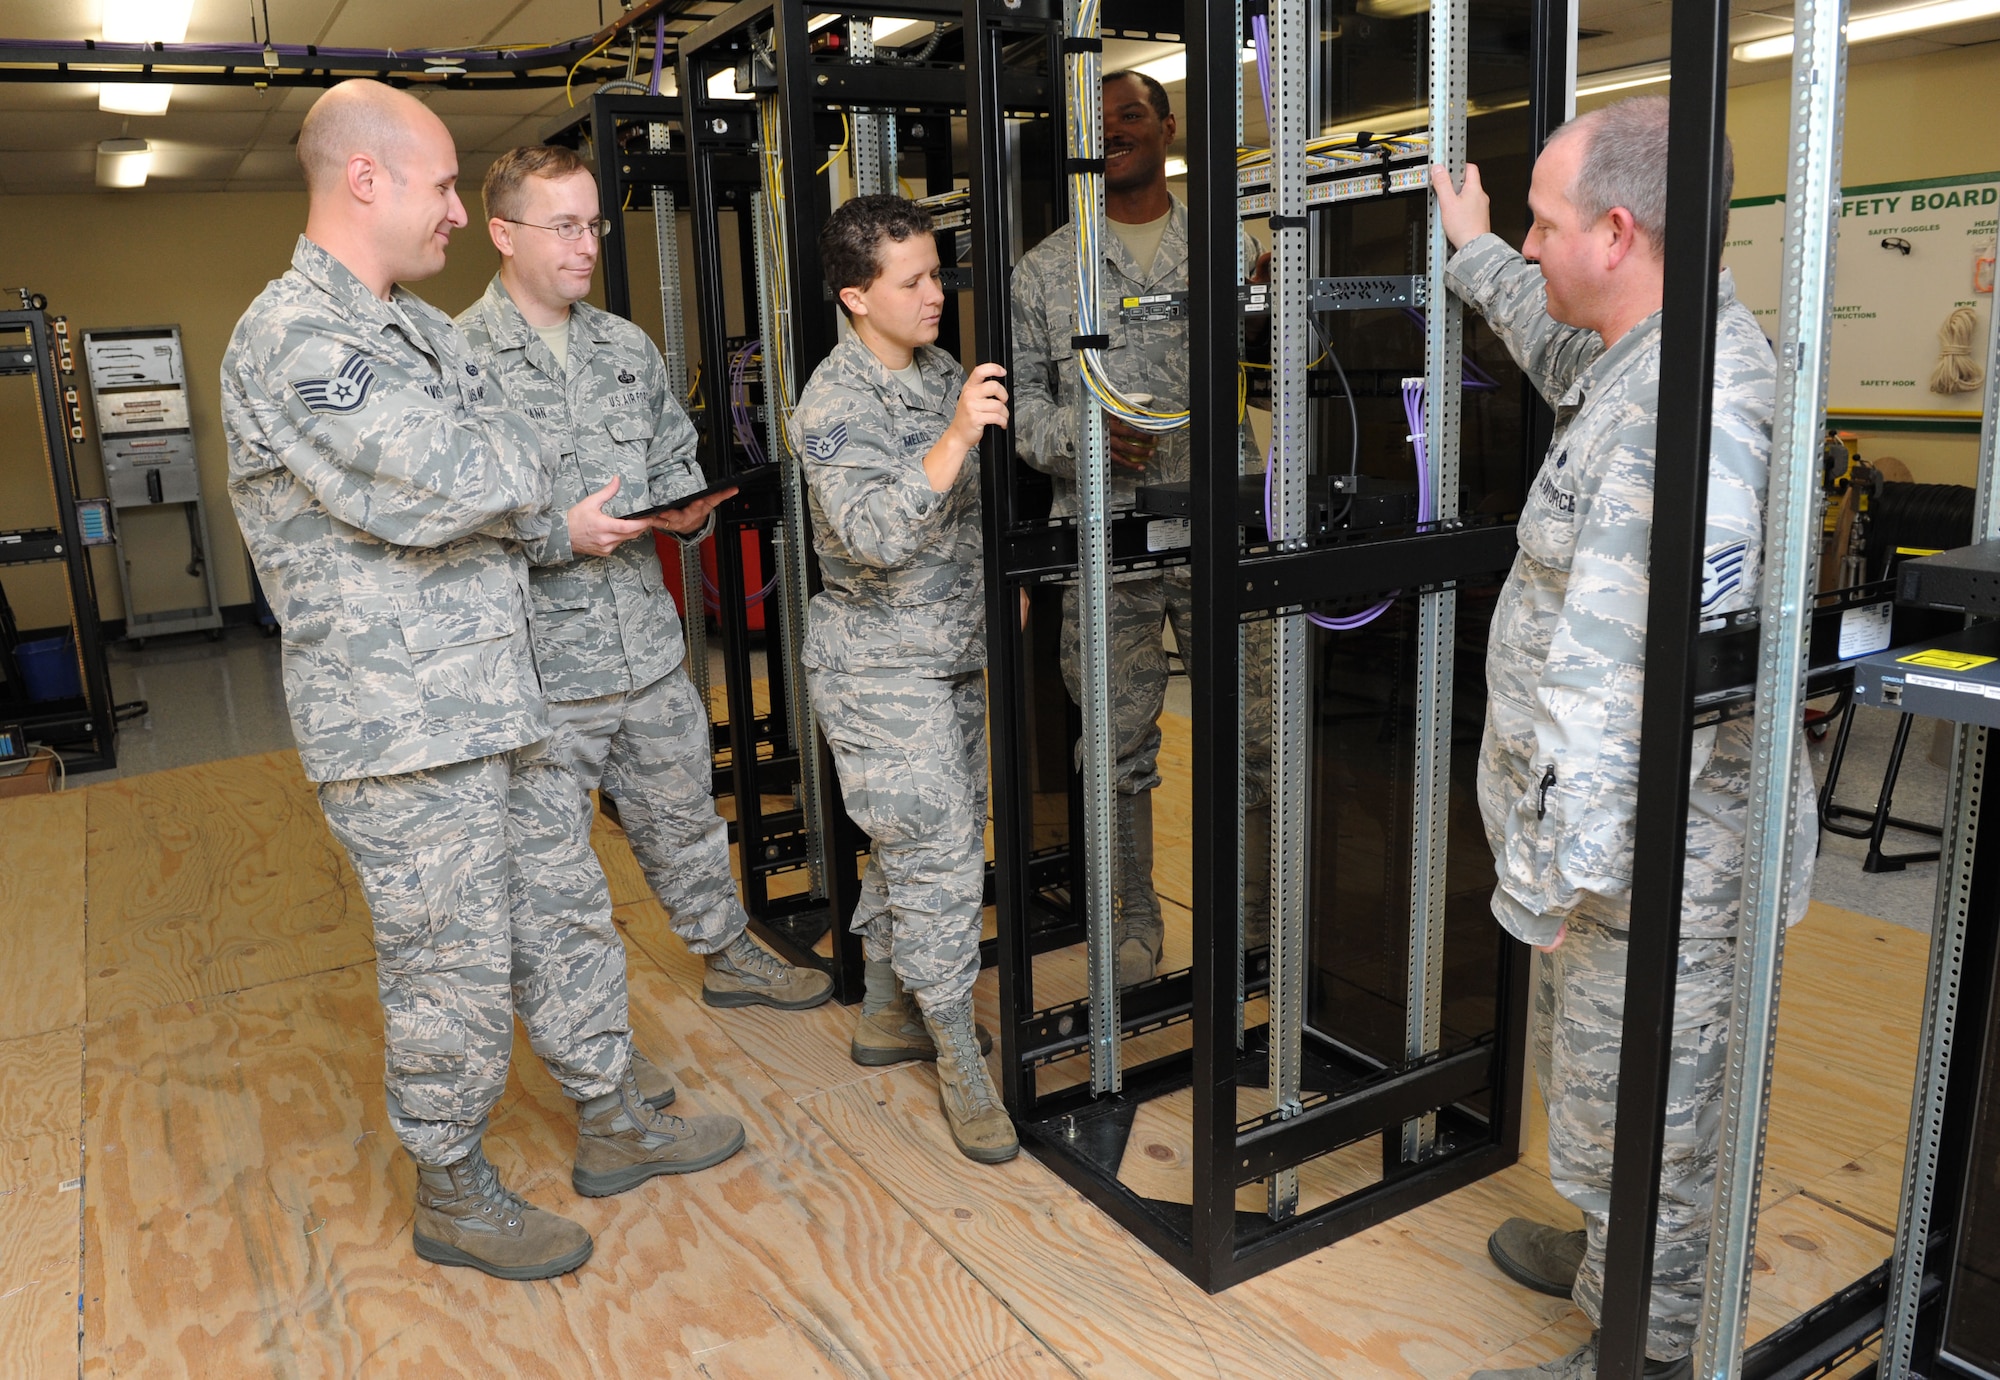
{"points": [[343, 393], [827, 446]]}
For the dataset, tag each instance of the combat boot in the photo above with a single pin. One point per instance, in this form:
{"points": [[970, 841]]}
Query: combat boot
{"points": [[622, 1142], [897, 1034], [1139, 930], [465, 1216], [1543, 1258], [979, 1124], [745, 974], [654, 1085]]}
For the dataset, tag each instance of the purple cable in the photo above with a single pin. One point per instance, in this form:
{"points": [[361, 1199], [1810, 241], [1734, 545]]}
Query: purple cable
{"points": [[1260, 32], [659, 50], [1475, 377], [743, 421], [1413, 413]]}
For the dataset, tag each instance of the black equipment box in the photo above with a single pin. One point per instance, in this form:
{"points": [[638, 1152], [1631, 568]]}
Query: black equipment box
{"points": [[1955, 677], [1963, 581], [1334, 502]]}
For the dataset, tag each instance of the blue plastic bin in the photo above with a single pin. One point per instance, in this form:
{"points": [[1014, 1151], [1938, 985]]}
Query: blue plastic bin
{"points": [[48, 668]]}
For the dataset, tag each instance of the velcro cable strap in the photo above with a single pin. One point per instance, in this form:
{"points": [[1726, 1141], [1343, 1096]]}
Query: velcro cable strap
{"points": [[1084, 165], [1286, 222], [1090, 342], [1082, 45]]}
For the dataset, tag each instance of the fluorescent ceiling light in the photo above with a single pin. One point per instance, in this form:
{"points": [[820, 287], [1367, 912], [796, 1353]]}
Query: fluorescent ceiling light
{"points": [[134, 98], [1173, 67], [147, 21], [890, 30], [123, 163], [1873, 26], [1622, 79], [1177, 167]]}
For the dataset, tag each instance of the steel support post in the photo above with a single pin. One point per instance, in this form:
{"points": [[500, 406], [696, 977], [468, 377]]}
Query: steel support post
{"points": [[1213, 34], [1791, 548], [1437, 612], [1098, 869], [1291, 670], [1680, 502], [790, 547], [1243, 706], [1964, 795], [673, 348], [872, 138]]}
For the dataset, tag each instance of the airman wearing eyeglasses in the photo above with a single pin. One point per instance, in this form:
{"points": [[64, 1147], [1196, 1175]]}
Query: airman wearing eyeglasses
{"points": [[607, 636]]}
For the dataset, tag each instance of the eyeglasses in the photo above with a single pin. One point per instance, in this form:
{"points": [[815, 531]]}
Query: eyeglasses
{"points": [[571, 229]]}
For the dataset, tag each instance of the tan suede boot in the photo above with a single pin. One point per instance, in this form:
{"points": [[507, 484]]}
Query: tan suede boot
{"points": [[979, 1124], [897, 1034], [622, 1142], [654, 1085], [466, 1217], [745, 974]]}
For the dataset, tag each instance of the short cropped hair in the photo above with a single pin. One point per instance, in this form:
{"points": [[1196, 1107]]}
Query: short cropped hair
{"points": [[1156, 94], [1625, 164], [500, 193], [850, 245]]}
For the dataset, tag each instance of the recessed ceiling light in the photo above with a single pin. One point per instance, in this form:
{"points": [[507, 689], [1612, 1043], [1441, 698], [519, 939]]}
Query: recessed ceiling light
{"points": [[1177, 167], [722, 87], [134, 98], [123, 163], [1873, 26], [147, 21], [1622, 79]]}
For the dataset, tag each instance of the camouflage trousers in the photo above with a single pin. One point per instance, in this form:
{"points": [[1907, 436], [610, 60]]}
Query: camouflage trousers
{"points": [[1579, 1009], [488, 904], [650, 751], [911, 754], [1140, 609]]}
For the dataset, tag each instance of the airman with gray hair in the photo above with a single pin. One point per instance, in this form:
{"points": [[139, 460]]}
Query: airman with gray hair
{"points": [[1579, 309]]}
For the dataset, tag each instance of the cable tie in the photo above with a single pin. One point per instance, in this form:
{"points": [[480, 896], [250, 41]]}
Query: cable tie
{"points": [[1083, 165], [1286, 222], [1082, 45], [1090, 342]]}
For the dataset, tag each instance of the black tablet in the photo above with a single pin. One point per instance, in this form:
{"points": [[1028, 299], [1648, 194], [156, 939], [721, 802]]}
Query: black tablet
{"points": [[756, 475]]}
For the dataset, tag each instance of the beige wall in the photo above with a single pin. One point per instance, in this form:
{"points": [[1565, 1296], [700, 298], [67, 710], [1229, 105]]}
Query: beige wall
{"points": [[192, 259], [1936, 115], [195, 260]]}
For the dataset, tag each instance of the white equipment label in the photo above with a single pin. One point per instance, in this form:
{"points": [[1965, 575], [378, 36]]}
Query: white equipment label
{"points": [[1864, 630]]}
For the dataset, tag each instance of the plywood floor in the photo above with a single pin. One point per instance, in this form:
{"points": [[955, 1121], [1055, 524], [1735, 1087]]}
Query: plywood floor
{"points": [[196, 1177]]}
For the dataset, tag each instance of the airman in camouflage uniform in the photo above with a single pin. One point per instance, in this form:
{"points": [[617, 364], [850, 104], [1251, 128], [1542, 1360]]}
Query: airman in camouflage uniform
{"points": [[895, 645], [606, 634], [1144, 312], [385, 499], [1558, 773]]}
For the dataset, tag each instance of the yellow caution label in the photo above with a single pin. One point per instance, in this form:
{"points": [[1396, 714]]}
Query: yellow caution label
{"points": [[1943, 660]]}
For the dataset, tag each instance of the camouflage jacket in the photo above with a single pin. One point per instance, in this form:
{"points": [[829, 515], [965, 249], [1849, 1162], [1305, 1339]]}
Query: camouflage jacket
{"points": [[901, 562], [1565, 664], [602, 625], [1148, 354], [384, 498]]}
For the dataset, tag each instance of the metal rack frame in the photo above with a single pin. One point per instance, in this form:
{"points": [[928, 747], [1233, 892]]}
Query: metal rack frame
{"points": [[1080, 1131], [28, 347]]}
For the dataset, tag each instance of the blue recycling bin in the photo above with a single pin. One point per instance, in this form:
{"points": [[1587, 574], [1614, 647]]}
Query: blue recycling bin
{"points": [[48, 668]]}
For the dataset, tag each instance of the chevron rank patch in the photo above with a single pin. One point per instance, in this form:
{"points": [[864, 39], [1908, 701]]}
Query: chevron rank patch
{"points": [[345, 392], [1722, 572], [827, 446]]}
